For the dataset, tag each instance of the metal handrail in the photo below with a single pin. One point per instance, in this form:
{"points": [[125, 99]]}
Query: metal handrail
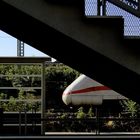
{"points": [[106, 8], [131, 6]]}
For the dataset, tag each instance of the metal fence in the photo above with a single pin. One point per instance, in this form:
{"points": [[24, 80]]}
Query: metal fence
{"points": [[131, 22], [95, 125]]}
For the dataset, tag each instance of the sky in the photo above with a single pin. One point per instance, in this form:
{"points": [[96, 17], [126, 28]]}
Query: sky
{"points": [[8, 47]]}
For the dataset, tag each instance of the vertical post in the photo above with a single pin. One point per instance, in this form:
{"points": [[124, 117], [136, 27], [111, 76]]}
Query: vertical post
{"points": [[43, 103], [20, 48], [19, 122], [139, 6], [98, 7], [34, 120], [1, 121], [25, 120], [104, 7], [97, 121]]}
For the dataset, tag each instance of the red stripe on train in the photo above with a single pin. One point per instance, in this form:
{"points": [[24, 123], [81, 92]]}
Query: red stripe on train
{"points": [[90, 89]]}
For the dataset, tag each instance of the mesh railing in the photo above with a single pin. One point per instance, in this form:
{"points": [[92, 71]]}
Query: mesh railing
{"points": [[131, 6], [131, 22]]}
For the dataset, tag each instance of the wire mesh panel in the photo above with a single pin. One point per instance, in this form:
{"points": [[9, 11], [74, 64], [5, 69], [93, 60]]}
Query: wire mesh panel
{"points": [[131, 22], [131, 6], [90, 7]]}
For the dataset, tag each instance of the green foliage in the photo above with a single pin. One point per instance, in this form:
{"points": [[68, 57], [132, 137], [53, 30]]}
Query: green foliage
{"points": [[23, 70], [3, 96], [13, 105], [90, 112], [64, 116], [130, 111], [60, 73], [58, 77], [80, 113], [130, 106]]}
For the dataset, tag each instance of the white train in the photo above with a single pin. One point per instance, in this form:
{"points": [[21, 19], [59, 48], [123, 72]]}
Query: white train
{"points": [[85, 90]]}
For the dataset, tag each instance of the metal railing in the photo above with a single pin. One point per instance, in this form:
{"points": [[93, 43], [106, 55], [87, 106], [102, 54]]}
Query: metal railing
{"points": [[110, 8], [131, 6], [95, 125]]}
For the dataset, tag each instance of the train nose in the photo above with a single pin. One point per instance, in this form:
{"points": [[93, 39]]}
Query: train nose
{"points": [[66, 96]]}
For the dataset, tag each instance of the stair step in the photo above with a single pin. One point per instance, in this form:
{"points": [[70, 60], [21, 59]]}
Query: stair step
{"points": [[103, 19]]}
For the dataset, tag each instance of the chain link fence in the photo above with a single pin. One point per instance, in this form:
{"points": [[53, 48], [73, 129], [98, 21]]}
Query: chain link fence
{"points": [[131, 22]]}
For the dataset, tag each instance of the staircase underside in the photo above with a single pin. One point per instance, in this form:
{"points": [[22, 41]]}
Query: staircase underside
{"points": [[93, 46]]}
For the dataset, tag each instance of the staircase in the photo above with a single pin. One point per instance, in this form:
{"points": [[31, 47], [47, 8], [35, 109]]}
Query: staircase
{"points": [[131, 6], [92, 44], [117, 8]]}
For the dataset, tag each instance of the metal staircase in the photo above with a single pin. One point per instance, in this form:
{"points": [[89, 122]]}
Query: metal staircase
{"points": [[128, 9], [94, 45], [131, 6]]}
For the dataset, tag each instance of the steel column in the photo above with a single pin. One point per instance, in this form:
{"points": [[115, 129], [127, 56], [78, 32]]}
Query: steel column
{"points": [[43, 99]]}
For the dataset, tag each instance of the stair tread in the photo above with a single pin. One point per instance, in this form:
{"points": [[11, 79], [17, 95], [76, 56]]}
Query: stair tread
{"points": [[104, 17]]}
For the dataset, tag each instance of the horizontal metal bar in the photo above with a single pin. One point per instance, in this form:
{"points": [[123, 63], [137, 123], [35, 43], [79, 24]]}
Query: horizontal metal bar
{"points": [[24, 59], [91, 133], [14, 63], [25, 88], [16, 75], [89, 119], [28, 112], [69, 136], [22, 124], [18, 100]]}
